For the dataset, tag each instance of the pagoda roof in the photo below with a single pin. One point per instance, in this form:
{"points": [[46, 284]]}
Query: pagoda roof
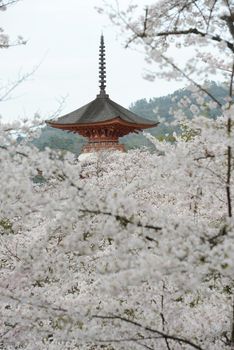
{"points": [[101, 109]]}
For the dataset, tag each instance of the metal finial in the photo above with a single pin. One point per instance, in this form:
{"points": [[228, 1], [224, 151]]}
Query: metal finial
{"points": [[102, 66]]}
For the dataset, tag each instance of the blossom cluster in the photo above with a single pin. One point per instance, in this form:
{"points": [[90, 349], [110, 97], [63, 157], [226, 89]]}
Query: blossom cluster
{"points": [[109, 250]]}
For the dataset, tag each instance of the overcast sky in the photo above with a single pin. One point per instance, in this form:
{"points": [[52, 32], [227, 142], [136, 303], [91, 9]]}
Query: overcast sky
{"points": [[63, 39]]}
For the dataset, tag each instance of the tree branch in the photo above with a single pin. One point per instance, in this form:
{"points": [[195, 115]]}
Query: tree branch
{"points": [[163, 317], [162, 334], [124, 220], [200, 87], [229, 151], [136, 340], [17, 152], [3, 5], [196, 32], [14, 85], [210, 15], [232, 331], [229, 19]]}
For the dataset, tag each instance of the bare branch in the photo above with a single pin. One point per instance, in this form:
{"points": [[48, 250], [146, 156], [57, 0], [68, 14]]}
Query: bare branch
{"points": [[133, 339], [146, 328], [232, 331], [163, 317], [200, 11], [144, 345], [210, 15], [12, 254], [124, 220], [19, 153], [145, 21], [199, 86], [61, 103], [229, 19], [6, 95], [229, 151]]}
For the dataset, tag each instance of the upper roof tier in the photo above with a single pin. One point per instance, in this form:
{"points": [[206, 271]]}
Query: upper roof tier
{"points": [[102, 108]]}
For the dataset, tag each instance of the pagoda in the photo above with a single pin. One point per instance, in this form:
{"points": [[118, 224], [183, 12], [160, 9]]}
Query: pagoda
{"points": [[102, 121]]}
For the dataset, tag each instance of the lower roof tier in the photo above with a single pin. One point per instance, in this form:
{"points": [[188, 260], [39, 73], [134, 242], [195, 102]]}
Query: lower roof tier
{"points": [[109, 130]]}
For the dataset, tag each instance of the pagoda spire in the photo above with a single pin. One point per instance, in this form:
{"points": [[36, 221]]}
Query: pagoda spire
{"points": [[102, 67]]}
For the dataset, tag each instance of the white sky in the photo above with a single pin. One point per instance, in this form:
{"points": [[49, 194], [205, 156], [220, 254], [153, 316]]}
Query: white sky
{"points": [[63, 38]]}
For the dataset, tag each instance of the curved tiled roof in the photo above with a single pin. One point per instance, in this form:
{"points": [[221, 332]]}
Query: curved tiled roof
{"points": [[99, 110]]}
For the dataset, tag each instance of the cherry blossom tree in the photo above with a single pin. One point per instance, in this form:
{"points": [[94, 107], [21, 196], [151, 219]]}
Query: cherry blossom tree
{"points": [[4, 38], [112, 250], [206, 28], [5, 43], [126, 250]]}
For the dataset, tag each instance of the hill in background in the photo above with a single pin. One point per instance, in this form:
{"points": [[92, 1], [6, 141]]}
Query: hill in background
{"points": [[151, 109]]}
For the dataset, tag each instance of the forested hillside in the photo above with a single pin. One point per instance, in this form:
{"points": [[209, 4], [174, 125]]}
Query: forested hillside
{"points": [[152, 109]]}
